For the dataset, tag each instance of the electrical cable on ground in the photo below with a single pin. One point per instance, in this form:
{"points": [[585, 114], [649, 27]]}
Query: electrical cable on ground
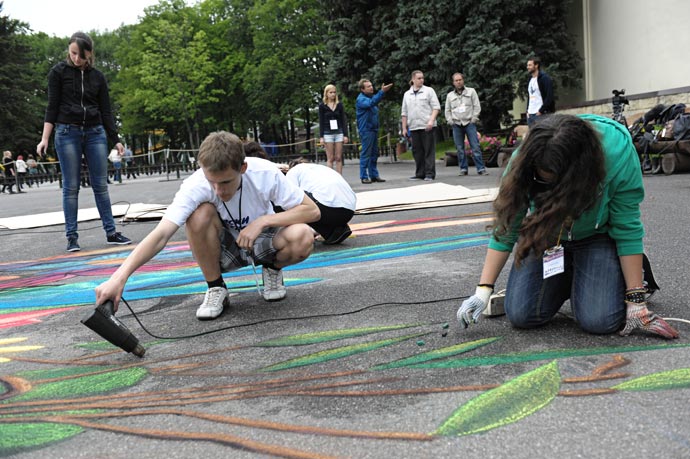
{"points": [[281, 319]]}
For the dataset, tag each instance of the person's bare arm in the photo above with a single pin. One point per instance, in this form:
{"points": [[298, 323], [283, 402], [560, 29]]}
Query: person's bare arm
{"points": [[148, 248]]}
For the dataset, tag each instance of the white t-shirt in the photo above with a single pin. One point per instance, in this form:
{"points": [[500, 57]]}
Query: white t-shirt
{"points": [[327, 186], [114, 156], [535, 100], [262, 184], [21, 166]]}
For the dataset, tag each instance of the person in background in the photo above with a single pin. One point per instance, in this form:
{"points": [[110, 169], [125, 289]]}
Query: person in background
{"points": [[254, 150], [420, 107], [130, 163], [540, 97], [79, 112], [22, 169], [331, 193], [116, 159], [332, 127], [10, 174], [569, 202], [33, 170], [462, 113], [368, 127]]}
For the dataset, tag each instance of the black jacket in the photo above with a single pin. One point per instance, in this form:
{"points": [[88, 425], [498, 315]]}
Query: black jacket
{"points": [[79, 97], [546, 89], [325, 117]]}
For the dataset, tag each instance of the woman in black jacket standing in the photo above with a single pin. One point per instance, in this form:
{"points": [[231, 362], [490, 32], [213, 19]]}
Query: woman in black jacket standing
{"points": [[79, 112], [332, 128]]}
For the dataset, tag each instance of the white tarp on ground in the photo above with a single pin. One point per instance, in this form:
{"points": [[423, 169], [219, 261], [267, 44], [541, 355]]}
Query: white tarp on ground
{"points": [[421, 196], [368, 202], [142, 211]]}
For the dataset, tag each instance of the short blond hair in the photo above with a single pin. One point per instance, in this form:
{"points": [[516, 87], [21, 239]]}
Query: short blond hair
{"points": [[221, 150]]}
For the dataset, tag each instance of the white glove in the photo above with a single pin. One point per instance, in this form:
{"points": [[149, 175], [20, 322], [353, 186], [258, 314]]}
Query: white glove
{"points": [[472, 307]]}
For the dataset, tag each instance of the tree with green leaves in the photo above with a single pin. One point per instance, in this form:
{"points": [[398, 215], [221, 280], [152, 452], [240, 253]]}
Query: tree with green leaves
{"points": [[20, 127], [286, 72], [488, 40]]}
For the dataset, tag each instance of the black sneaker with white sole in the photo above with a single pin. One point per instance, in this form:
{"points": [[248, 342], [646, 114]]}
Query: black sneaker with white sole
{"points": [[73, 245], [118, 239]]}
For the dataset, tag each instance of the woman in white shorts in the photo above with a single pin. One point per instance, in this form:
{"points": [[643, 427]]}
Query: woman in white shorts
{"points": [[333, 127]]}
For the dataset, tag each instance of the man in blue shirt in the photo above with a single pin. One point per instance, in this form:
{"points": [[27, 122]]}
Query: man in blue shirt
{"points": [[368, 126]]}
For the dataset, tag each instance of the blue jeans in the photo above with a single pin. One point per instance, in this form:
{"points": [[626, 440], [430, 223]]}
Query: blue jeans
{"points": [[369, 155], [531, 119], [117, 171], [593, 281], [459, 133], [71, 142]]}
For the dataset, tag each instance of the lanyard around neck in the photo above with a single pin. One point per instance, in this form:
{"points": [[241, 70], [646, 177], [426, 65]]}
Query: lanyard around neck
{"points": [[238, 223]]}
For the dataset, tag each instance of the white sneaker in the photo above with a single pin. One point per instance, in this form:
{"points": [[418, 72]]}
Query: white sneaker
{"points": [[274, 288], [215, 300]]}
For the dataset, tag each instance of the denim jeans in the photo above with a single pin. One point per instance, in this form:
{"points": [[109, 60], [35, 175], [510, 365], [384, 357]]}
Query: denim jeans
{"points": [[117, 171], [459, 133], [71, 143], [369, 155], [593, 281]]}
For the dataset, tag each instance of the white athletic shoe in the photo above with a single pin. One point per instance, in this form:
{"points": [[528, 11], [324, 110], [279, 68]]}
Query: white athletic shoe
{"points": [[274, 288], [215, 300]]}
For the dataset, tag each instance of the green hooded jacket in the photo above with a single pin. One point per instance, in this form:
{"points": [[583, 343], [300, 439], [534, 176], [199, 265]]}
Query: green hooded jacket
{"points": [[617, 209]]}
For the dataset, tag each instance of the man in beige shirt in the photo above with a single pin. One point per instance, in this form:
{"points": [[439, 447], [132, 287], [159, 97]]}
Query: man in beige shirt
{"points": [[420, 107], [462, 114]]}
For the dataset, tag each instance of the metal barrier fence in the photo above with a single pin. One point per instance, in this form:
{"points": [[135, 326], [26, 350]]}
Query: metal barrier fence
{"points": [[173, 163]]}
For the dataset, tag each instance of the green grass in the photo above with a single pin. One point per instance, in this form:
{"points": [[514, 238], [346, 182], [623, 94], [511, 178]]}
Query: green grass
{"points": [[441, 149]]}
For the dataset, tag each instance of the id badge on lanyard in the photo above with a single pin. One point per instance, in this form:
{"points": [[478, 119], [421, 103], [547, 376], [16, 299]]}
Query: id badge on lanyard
{"points": [[554, 261], [554, 257]]}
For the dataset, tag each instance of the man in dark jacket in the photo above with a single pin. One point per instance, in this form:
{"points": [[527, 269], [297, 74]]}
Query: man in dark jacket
{"points": [[540, 100]]}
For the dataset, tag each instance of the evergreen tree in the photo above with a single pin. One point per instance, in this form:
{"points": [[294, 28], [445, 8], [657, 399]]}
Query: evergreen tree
{"points": [[20, 131]]}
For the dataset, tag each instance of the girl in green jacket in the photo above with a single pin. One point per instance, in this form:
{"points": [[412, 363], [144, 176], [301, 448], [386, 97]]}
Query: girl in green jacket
{"points": [[569, 204]]}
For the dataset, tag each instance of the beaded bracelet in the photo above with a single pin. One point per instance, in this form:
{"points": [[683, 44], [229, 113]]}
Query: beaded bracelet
{"points": [[635, 295]]}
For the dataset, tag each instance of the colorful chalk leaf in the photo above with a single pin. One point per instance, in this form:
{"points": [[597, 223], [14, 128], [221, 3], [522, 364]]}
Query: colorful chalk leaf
{"points": [[436, 354], [337, 353], [331, 335], [85, 385], [21, 436], [672, 379], [506, 404]]}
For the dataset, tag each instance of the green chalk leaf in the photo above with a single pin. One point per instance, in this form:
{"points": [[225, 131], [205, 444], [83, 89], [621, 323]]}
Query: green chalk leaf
{"points": [[15, 438], [331, 335], [508, 403], [337, 353], [436, 354], [672, 379], [85, 385]]}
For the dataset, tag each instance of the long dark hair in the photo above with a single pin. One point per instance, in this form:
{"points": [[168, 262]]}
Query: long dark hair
{"points": [[569, 151], [84, 43]]}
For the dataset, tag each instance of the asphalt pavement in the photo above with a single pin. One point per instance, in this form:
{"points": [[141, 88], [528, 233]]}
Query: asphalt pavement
{"points": [[363, 359]]}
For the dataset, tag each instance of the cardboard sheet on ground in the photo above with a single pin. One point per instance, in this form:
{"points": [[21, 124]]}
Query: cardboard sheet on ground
{"points": [[421, 196], [136, 211], [376, 201]]}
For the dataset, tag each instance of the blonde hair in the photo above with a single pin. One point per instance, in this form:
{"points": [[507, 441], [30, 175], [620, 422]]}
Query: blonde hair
{"points": [[221, 150], [325, 93]]}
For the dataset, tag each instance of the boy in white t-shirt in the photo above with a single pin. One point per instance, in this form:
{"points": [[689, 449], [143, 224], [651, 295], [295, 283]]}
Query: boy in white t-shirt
{"points": [[229, 221]]}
